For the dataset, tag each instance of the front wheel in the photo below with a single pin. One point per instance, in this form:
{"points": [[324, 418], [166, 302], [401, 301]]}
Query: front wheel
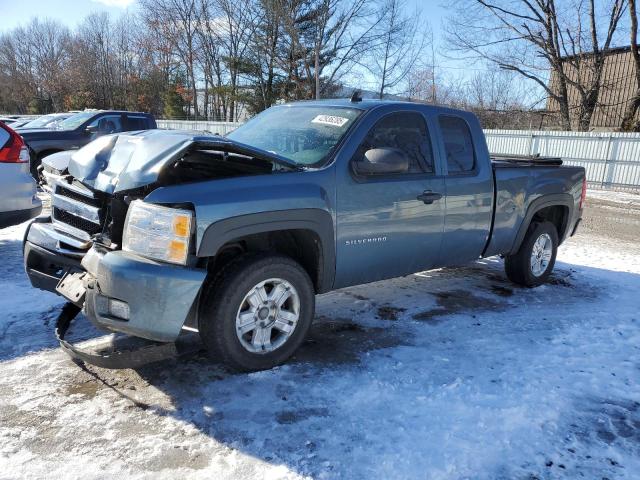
{"points": [[532, 264], [257, 312]]}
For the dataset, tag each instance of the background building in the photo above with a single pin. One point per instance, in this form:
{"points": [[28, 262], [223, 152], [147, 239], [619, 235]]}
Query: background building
{"points": [[618, 86]]}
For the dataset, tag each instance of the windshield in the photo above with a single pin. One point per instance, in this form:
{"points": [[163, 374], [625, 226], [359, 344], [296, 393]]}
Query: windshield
{"points": [[303, 134], [74, 121], [44, 121]]}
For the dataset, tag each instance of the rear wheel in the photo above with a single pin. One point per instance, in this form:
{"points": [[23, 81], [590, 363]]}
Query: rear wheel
{"points": [[257, 312], [536, 257]]}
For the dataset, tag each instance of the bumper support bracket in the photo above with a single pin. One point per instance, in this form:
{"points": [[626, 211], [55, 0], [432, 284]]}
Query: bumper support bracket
{"points": [[116, 360]]}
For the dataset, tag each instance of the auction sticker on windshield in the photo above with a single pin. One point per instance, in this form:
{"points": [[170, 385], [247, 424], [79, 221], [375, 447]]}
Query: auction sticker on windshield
{"points": [[332, 120]]}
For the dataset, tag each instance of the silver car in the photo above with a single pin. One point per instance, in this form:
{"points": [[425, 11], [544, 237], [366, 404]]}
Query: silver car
{"points": [[18, 199]]}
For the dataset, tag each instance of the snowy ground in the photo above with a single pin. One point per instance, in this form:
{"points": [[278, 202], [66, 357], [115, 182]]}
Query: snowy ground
{"points": [[447, 374]]}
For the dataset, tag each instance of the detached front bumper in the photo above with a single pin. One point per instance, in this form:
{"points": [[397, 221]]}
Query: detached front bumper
{"points": [[159, 298], [123, 292]]}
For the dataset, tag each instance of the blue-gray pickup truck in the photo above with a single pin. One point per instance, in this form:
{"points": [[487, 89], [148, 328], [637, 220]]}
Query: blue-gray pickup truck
{"points": [[155, 232]]}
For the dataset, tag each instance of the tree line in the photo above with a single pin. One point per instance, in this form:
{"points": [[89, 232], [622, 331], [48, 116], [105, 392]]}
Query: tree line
{"points": [[222, 59], [205, 58]]}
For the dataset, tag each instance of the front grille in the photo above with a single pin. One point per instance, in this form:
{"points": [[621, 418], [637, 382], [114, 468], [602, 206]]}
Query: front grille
{"points": [[75, 221], [76, 211], [67, 192]]}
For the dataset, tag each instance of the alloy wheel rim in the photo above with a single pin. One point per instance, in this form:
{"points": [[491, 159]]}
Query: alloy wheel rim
{"points": [[267, 316], [541, 254]]}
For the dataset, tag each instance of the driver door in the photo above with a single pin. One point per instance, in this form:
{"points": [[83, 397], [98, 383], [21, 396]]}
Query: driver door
{"points": [[391, 225]]}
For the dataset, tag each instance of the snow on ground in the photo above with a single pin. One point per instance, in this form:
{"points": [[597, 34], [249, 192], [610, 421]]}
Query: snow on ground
{"points": [[447, 374]]}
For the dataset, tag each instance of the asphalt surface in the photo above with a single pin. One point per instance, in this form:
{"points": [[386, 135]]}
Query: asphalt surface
{"points": [[611, 220]]}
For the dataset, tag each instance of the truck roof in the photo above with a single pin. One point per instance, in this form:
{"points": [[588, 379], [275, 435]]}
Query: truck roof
{"points": [[117, 111], [371, 103]]}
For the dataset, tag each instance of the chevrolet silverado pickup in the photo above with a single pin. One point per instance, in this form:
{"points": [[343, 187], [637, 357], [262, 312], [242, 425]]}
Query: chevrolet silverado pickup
{"points": [[156, 232]]}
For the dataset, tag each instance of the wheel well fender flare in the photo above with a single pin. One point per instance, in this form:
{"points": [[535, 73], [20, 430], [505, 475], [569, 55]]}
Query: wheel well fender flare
{"points": [[316, 220], [551, 200]]}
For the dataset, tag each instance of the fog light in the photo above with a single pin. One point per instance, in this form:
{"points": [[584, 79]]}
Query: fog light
{"points": [[118, 308]]}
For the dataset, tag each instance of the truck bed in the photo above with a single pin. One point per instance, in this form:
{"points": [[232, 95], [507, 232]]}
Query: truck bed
{"points": [[503, 160], [518, 182]]}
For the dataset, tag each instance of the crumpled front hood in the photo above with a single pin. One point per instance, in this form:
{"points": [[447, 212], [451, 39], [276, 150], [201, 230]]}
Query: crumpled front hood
{"points": [[126, 161], [131, 160]]}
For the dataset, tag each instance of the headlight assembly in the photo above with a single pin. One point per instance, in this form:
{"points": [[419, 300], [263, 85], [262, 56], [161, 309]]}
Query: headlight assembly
{"points": [[160, 233]]}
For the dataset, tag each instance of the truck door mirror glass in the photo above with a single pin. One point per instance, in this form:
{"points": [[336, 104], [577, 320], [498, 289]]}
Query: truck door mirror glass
{"points": [[382, 161]]}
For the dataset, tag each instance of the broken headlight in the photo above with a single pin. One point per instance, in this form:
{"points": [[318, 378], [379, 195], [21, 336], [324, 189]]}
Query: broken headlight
{"points": [[160, 233]]}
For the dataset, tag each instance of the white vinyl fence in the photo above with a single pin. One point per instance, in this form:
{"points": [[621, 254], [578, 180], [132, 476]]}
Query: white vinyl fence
{"points": [[611, 159], [220, 128]]}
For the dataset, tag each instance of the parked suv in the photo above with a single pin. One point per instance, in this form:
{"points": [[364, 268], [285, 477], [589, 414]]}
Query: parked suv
{"points": [[80, 129]]}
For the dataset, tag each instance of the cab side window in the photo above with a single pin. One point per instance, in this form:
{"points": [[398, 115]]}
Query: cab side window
{"points": [[405, 131], [457, 143], [137, 123], [107, 124]]}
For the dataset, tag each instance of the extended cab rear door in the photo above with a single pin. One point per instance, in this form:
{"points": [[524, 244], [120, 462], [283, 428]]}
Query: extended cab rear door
{"points": [[138, 122], [469, 187], [390, 225]]}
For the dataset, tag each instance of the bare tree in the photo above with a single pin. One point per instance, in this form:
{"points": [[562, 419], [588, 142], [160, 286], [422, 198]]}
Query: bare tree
{"points": [[535, 37], [261, 65], [236, 29], [48, 44], [178, 21], [403, 39], [324, 40]]}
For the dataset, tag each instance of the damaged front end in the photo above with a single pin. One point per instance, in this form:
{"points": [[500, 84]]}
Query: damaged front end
{"points": [[78, 251]]}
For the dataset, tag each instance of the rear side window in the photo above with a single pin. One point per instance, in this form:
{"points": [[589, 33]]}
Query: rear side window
{"points": [[4, 137], [406, 131], [457, 143], [137, 123]]}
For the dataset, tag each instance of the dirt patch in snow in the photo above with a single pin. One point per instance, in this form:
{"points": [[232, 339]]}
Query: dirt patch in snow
{"points": [[339, 341], [389, 312], [288, 417], [502, 291], [456, 301]]}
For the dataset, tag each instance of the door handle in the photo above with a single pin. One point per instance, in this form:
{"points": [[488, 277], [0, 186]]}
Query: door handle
{"points": [[429, 197]]}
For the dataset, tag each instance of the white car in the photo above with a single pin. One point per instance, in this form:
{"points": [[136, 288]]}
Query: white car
{"points": [[18, 199]]}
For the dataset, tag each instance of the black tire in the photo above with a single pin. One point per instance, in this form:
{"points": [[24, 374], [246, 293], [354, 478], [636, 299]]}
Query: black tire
{"points": [[33, 166], [518, 266], [223, 296]]}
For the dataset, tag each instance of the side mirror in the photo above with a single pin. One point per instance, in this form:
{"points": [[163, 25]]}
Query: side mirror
{"points": [[382, 161], [91, 129]]}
